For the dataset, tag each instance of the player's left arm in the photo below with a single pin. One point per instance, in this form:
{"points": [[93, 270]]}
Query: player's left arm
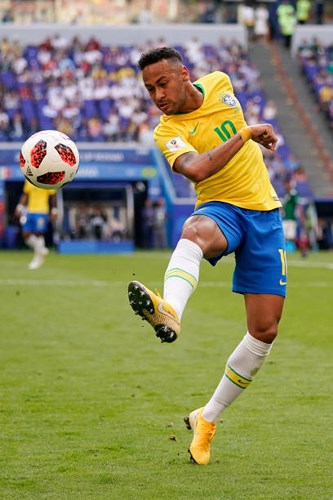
{"points": [[199, 166]]}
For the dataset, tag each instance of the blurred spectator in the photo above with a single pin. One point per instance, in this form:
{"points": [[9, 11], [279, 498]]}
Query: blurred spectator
{"points": [[144, 15], [274, 31], [95, 128], [145, 135], [7, 17], [4, 124], [148, 223], [319, 11], [287, 21], [10, 102], [160, 219], [289, 215], [325, 234], [16, 127], [292, 164], [98, 220], [247, 17], [64, 125], [269, 111], [303, 11], [261, 24], [79, 222], [117, 225], [311, 226], [111, 128], [209, 14]]}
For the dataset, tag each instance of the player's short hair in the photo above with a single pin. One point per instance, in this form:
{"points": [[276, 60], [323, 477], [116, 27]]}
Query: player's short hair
{"points": [[155, 55]]}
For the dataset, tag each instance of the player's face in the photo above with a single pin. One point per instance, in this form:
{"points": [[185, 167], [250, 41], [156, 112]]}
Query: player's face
{"points": [[166, 83]]}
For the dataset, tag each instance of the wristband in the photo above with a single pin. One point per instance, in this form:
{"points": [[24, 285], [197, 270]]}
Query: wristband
{"points": [[245, 133]]}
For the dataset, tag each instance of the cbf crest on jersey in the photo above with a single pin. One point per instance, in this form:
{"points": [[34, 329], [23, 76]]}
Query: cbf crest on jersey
{"points": [[228, 99]]}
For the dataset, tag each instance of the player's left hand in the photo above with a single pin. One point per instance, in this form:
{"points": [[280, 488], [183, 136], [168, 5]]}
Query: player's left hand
{"points": [[264, 134]]}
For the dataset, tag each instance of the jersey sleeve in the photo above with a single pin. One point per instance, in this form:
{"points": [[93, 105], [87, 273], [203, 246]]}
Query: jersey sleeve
{"points": [[172, 142], [26, 187]]}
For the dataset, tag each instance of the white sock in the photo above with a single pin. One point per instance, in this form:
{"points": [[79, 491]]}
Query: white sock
{"points": [[40, 243], [31, 241], [182, 274], [240, 369]]}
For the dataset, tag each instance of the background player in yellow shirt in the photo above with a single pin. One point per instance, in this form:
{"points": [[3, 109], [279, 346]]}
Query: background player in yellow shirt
{"points": [[35, 208], [204, 136]]}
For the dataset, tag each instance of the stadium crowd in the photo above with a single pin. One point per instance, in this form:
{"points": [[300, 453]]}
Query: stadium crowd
{"points": [[316, 62]]}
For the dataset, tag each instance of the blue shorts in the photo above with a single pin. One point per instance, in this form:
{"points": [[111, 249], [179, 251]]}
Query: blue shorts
{"points": [[36, 223], [256, 237]]}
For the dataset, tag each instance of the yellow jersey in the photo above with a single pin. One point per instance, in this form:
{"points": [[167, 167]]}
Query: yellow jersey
{"points": [[244, 180], [38, 198]]}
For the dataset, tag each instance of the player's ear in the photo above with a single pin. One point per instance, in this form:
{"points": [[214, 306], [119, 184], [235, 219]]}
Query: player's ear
{"points": [[185, 74]]}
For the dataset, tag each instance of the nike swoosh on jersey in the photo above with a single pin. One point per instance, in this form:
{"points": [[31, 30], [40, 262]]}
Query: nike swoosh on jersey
{"points": [[283, 282], [192, 132]]}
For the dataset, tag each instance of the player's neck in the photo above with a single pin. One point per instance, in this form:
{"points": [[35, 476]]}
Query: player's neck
{"points": [[194, 99]]}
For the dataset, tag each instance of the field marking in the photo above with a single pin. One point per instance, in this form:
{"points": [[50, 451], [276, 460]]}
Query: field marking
{"points": [[111, 284], [320, 265], [205, 284], [32, 282]]}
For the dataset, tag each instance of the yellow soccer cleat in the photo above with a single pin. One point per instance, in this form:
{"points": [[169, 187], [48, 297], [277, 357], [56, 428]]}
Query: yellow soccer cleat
{"points": [[155, 310], [203, 433]]}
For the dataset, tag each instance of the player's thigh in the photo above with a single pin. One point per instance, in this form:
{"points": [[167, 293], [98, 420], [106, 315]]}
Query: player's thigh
{"points": [[204, 231], [28, 226], [261, 266], [263, 313]]}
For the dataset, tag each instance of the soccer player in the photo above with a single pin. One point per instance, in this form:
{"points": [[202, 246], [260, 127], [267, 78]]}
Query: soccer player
{"points": [[204, 136], [35, 208]]}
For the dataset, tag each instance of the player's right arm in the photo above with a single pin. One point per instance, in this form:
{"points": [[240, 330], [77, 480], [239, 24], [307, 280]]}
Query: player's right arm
{"points": [[23, 201], [198, 167]]}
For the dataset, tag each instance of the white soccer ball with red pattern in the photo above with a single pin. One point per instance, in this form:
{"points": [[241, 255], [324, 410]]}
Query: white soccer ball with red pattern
{"points": [[49, 159]]}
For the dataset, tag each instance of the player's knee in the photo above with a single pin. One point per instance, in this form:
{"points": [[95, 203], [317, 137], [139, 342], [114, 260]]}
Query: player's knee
{"points": [[192, 231], [205, 233], [265, 333]]}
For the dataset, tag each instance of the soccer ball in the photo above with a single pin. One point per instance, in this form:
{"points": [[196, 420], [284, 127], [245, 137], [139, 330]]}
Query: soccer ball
{"points": [[49, 159]]}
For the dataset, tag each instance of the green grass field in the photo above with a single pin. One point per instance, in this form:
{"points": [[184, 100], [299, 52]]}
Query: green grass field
{"points": [[92, 405]]}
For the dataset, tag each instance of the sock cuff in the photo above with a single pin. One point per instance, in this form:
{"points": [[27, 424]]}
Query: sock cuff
{"points": [[256, 346], [190, 248]]}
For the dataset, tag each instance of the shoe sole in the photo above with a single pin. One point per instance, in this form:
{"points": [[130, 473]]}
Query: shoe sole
{"points": [[188, 426], [142, 304]]}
